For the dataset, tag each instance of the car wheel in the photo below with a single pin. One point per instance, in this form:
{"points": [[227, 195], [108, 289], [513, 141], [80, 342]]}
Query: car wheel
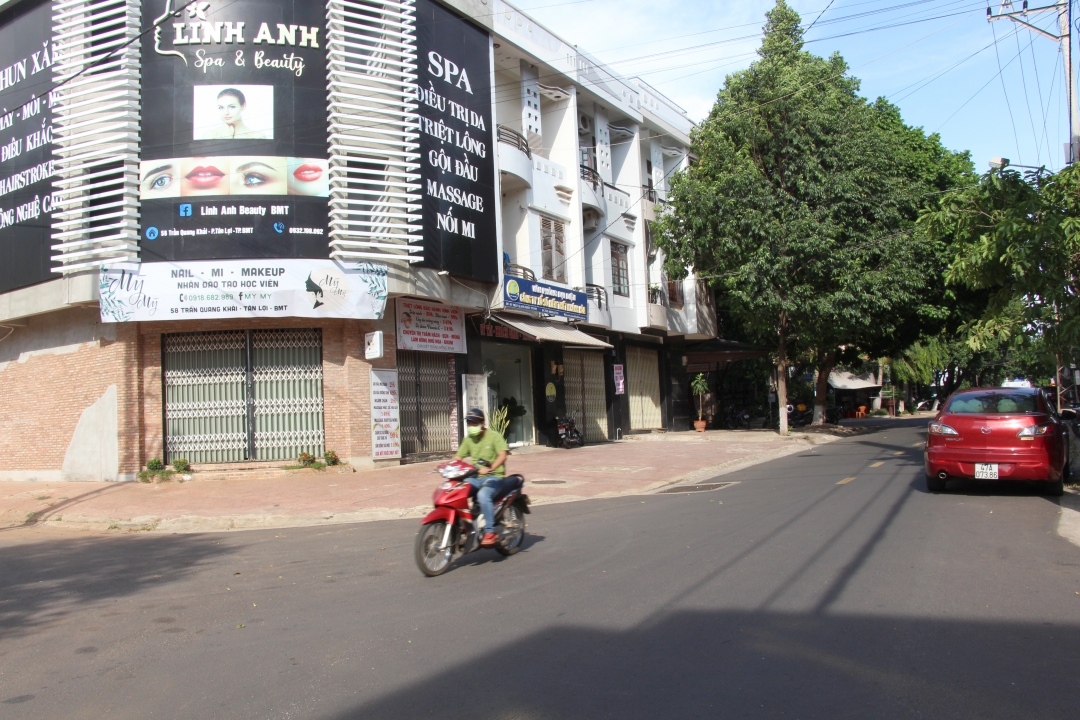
{"points": [[1055, 489], [935, 484]]}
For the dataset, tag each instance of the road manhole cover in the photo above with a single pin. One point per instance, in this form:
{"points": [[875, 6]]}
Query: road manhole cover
{"points": [[548, 482], [704, 487]]}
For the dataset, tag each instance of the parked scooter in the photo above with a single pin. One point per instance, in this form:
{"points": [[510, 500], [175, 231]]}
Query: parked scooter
{"points": [[569, 435], [455, 526], [737, 418]]}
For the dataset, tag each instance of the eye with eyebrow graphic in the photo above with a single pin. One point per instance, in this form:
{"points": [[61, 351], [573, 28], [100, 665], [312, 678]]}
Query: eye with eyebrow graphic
{"points": [[259, 176], [159, 181]]}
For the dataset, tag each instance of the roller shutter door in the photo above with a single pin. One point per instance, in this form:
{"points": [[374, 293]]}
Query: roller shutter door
{"points": [[586, 394], [643, 381]]}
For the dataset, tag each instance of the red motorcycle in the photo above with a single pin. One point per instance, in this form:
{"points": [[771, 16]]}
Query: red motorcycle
{"points": [[453, 528]]}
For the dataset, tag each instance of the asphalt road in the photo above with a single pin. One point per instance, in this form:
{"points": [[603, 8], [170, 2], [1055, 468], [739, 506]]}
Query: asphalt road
{"points": [[786, 595]]}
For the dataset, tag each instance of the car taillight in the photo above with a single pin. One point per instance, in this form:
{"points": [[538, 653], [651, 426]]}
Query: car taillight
{"points": [[937, 428], [1035, 430]]}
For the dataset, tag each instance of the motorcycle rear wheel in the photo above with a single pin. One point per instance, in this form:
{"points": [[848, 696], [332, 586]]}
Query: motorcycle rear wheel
{"points": [[513, 536], [429, 558]]}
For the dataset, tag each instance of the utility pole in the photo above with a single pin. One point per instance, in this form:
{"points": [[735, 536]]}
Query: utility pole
{"points": [[1064, 11]]}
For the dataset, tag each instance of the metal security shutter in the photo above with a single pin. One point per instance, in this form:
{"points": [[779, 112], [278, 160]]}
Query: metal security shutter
{"points": [[426, 397], [244, 395], [586, 396], [205, 399], [286, 369], [643, 379]]}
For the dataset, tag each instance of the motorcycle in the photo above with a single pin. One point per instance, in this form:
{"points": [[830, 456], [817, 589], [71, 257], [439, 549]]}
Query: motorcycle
{"points": [[454, 527], [569, 435], [737, 419]]}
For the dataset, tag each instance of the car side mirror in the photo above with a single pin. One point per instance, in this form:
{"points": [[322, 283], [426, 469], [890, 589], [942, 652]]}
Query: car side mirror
{"points": [[1068, 414]]}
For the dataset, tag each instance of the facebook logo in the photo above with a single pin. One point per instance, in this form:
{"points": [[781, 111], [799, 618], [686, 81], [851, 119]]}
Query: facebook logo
{"points": [[185, 210]]}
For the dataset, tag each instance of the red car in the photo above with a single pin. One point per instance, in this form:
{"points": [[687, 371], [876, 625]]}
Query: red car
{"points": [[998, 434]]}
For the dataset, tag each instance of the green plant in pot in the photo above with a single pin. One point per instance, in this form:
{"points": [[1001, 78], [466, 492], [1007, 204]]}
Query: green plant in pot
{"points": [[700, 386]]}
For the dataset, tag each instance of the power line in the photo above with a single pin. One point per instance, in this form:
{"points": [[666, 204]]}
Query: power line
{"points": [[1027, 99], [1016, 136]]}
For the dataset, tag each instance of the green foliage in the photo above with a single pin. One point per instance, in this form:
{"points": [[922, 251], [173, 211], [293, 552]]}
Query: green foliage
{"points": [[155, 464], [1018, 238], [801, 207], [331, 458], [181, 465], [699, 386], [306, 459], [499, 420]]}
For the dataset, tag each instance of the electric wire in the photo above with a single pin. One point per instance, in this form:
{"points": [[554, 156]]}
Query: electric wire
{"points": [[1027, 98], [1016, 136]]}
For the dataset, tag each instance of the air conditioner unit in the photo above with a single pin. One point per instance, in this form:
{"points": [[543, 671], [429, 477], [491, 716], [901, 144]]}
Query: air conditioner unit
{"points": [[584, 124], [590, 219]]}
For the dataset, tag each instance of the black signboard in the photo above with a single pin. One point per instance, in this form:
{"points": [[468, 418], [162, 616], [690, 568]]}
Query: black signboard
{"points": [[234, 157], [457, 151], [26, 167]]}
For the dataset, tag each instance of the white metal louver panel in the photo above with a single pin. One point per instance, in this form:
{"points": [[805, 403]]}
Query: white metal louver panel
{"points": [[96, 133], [374, 130]]}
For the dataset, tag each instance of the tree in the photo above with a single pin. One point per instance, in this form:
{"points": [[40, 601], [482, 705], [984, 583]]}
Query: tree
{"points": [[800, 205], [1018, 239]]}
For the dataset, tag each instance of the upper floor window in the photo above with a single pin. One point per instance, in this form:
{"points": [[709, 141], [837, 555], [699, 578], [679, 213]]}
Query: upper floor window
{"points": [[553, 243], [620, 270], [674, 292]]}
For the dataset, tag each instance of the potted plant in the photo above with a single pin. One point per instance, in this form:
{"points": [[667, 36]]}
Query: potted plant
{"points": [[699, 386]]}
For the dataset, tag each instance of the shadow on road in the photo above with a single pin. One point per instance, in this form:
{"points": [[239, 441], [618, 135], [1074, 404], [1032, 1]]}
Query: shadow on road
{"points": [[758, 664], [43, 582]]}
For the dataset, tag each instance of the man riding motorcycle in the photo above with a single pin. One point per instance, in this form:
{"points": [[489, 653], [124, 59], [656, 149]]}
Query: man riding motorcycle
{"points": [[488, 450]]}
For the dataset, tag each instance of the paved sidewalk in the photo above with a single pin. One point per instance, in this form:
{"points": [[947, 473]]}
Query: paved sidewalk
{"points": [[234, 501]]}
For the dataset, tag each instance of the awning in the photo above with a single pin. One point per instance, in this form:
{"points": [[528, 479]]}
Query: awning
{"points": [[841, 380], [552, 332]]}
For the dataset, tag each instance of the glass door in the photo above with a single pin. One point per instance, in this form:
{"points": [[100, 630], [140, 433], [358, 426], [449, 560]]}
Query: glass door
{"points": [[509, 375]]}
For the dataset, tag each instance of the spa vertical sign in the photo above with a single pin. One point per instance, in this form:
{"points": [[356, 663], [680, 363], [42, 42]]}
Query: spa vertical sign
{"points": [[456, 144]]}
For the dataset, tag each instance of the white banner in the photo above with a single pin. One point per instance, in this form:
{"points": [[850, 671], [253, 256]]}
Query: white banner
{"points": [[431, 327], [385, 424], [212, 289]]}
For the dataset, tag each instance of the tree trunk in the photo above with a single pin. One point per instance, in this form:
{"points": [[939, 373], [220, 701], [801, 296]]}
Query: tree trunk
{"points": [[781, 384], [821, 396]]}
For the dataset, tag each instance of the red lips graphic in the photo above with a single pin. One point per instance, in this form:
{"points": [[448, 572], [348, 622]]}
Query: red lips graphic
{"points": [[308, 173], [204, 177]]}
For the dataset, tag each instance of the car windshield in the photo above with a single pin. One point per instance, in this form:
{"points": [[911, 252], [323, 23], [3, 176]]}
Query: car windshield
{"points": [[992, 403]]}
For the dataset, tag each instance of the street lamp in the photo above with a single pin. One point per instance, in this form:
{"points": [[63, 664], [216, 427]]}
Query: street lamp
{"points": [[1002, 163]]}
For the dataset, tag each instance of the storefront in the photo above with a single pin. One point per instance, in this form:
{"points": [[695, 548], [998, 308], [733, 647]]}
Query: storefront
{"points": [[643, 381]]}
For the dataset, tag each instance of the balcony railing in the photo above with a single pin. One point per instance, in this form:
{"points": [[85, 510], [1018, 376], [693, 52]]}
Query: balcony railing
{"points": [[619, 190], [656, 296], [514, 139], [518, 271], [592, 177], [597, 293], [649, 193]]}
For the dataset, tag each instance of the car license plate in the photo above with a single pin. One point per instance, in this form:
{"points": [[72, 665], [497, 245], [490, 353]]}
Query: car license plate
{"points": [[986, 471]]}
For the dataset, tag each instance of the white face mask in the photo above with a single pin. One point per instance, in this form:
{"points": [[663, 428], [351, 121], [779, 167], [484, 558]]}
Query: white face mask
{"points": [[475, 430]]}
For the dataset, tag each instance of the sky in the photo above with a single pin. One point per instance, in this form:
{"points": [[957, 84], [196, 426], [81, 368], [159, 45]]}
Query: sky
{"points": [[995, 89]]}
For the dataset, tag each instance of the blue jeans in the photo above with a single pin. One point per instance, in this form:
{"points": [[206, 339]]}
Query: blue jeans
{"points": [[488, 487]]}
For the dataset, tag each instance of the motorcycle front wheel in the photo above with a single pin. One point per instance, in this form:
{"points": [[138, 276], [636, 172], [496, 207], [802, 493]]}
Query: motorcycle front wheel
{"points": [[429, 558], [513, 535]]}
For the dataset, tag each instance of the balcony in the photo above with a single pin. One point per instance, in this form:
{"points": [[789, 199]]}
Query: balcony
{"points": [[651, 203], [592, 189], [515, 156], [656, 309], [519, 271], [599, 308]]}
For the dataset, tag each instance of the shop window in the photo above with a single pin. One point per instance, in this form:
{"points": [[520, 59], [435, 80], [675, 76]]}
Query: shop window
{"points": [[553, 242], [620, 270]]}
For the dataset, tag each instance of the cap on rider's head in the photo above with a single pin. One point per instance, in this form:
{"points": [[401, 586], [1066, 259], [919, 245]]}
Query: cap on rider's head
{"points": [[475, 416]]}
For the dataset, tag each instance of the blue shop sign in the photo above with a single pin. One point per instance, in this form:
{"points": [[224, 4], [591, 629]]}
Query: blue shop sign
{"points": [[544, 298]]}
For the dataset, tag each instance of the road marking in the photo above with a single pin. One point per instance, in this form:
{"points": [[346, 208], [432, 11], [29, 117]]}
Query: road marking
{"points": [[899, 453], [879, 463], [918, 444], [845, 481]]}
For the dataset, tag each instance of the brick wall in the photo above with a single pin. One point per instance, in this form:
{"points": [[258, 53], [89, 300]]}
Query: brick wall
{"points": [[50, 372]]}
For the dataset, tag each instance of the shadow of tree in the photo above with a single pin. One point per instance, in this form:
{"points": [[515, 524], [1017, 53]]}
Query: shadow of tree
{"points": [[758, 664], [42, 582]]}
